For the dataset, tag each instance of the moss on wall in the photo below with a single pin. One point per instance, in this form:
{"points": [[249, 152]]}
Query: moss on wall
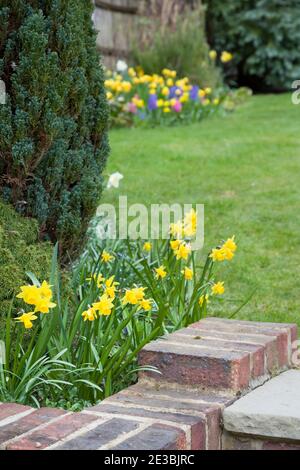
{"points": [[20, 252]]}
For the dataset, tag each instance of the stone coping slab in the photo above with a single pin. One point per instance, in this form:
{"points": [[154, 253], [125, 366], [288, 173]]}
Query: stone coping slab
{"points": [[272, 410]]}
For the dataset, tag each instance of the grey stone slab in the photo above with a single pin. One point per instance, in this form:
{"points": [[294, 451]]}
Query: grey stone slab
{"points": [[272, 410]]}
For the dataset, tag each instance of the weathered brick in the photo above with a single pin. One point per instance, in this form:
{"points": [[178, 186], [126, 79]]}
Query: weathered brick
{"points": [[257, 352], [100, 435], [219, 369], [155, 437], [8, 410], [200, 412], [196, 424], [283, 332], [53, 432], [27, 423]]}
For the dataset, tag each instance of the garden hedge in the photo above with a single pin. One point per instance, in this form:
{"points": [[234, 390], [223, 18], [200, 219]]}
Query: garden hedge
{"points": [[264, 36], [53, 140]]}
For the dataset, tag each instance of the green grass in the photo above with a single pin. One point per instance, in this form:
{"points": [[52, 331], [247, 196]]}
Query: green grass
{"points": [[245, 169]]}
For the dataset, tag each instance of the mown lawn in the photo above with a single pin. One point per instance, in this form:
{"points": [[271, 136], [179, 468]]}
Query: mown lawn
{"points": [[245, 168]]}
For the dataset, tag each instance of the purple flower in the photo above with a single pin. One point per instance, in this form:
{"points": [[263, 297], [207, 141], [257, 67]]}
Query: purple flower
{"points": [[194, 93], [175, 92], [152, 102]]}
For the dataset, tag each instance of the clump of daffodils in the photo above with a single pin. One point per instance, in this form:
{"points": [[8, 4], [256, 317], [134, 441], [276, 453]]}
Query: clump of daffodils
{"points": [[38, 297], [109, 289], [225, 252]]}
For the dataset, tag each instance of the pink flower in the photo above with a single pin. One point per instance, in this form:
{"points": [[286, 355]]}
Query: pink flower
{"points": [[177, 107], [132, 108]]}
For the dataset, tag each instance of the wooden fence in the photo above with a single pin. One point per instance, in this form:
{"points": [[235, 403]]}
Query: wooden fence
{"points": [[117, 20]]}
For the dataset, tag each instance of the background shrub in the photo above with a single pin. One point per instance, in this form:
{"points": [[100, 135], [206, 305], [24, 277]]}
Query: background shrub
{"points": [[53, 142], [264, 36], [177, 42], [20, 252]]}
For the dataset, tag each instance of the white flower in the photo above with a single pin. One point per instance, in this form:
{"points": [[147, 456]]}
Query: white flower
{"points": [[121, 66], [114, 180]]}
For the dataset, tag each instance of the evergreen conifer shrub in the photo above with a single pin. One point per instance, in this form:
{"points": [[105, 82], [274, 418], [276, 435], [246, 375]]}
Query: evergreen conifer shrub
{"points": [[53, 139]]}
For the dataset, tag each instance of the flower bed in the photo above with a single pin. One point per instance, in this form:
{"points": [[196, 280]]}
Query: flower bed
{"points": [[80, 338], [136, 98]]}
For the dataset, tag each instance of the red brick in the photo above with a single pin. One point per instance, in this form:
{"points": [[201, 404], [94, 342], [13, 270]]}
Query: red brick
{"points": [[8, 410], [200, 412], [219, 369], [101, 435], [156, 437], [27, 423], [281, 332], [256, 351], [52, 433]]}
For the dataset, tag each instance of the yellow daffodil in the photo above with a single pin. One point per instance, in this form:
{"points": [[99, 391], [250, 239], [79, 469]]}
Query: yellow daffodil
{"points": [[29, 294], [104, 306], [45, 290], [129, 297], [126, 87], [131, 72], [176, 229], [217, 254], [147, 246], [208, 90], [216, 101], [109, 95], [97, 278], [188, 273], [201, 93], [190, 223], [43, 305], [27, 319], [110, 287], [133, 296], [225, 252], [106, 257], [213, 54], [89, 314], [183, 251], [139, 292], [145, 304], [160, 272], [202, 299], [166, 110], [226, 57], [230, 244], [175, 244], [40, 297], [165, 91], [218, 288]]}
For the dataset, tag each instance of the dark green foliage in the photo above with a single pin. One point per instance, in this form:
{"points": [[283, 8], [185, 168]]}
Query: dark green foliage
{"points": [[53, 141], [264, 36], [20, 252]]}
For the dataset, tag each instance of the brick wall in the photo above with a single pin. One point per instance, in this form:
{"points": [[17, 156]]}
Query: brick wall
{"points": [[203, 369]]}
